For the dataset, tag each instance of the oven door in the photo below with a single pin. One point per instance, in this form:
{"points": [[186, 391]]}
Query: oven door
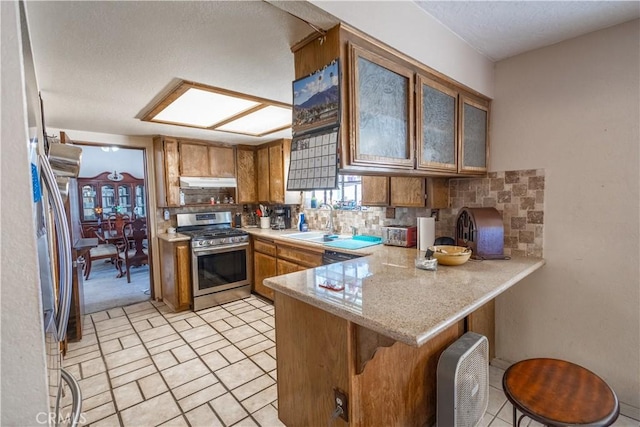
{"points": [[220, 268]]}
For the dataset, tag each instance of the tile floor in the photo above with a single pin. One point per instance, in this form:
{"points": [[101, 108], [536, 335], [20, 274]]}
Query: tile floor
{"points": [[143, 365]]}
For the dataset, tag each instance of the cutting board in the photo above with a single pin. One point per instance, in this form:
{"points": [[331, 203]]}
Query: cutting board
{"points": [[357, 242]]}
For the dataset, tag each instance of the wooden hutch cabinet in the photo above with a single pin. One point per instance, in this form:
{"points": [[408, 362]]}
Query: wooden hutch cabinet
{"points": [[110, 193]]}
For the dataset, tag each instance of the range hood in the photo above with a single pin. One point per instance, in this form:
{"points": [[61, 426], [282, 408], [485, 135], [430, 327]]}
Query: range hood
{"points": [[199, 182]]}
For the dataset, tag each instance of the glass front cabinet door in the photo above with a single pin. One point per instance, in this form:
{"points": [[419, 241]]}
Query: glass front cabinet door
{"points": [[474, 130], [382, 99], [88, 200], [437, 118], [108, 193], [140, 210], [124, 200]]}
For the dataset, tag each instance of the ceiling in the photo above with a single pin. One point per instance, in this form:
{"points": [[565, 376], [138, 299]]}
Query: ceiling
{"points": [[501, 29], [101, 65]]}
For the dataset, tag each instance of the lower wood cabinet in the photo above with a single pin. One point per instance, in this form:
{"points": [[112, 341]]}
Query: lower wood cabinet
{"points": [[175, 274], [302, 256], [273, 258], [264, 266], [284, 267]]}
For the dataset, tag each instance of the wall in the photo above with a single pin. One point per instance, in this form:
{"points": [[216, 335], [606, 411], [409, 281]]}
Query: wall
{"points": [[24, 388], [95, 161], [572, 109], [409, 29]]}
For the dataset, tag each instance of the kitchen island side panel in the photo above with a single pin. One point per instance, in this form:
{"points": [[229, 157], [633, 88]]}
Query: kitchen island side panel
{"points": [[386, 382], [312, 356]]}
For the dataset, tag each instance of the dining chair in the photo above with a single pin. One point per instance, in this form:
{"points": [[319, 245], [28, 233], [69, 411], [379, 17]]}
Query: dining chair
{"points": [[115, 222], [104, 250], [134, 253]]}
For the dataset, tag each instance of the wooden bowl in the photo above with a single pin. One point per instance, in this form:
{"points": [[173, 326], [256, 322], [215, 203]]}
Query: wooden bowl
{"points": [[451, 255]]}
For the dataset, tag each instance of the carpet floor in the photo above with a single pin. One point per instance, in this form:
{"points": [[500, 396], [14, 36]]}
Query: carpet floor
{"points": [[103, 291]]}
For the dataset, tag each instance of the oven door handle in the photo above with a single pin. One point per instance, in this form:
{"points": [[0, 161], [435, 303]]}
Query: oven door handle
{"points": [[218, 249]]}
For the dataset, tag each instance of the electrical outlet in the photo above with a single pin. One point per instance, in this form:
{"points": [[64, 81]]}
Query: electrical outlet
{"points": [[390, 213], [342, 402]]}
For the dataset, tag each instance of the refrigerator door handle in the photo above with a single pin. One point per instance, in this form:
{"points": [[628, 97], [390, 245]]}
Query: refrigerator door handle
{"points": [[64, 247], [76, 397]]}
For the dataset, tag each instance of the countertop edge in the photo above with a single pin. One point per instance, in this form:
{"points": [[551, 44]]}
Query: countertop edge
{"points": [[173, 237], [412, 340], [422, 339]]}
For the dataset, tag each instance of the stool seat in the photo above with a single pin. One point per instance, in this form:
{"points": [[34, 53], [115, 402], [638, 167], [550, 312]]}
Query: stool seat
{"points": [[559, 393]]}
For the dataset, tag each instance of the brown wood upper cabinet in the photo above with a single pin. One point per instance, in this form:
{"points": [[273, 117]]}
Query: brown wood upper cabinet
{"points": [[272, 164], [437, 115], [247, 191], [382, 112], [375, 191], [175, 158], [473, 141], [167, 163], [398, 116], [205, 160], [401, 191], [452, 129]]}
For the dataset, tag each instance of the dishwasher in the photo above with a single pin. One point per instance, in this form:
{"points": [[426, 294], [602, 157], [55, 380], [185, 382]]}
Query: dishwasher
{"points": [[331, 257]]}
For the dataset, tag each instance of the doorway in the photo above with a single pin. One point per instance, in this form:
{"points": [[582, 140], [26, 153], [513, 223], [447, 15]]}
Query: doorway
{"points": [[112, 184]]}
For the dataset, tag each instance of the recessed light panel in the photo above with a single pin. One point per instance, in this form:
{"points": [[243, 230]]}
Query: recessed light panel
{"points": [[196, 105], [203, 108], [260, 122]]}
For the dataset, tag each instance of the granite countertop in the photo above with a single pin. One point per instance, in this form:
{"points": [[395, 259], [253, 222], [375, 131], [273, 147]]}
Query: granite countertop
{"points": [[173, 237], [283, 236], [383, 291]]}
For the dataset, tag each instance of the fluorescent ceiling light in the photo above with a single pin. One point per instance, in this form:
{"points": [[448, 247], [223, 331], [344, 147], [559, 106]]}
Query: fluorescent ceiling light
{"points": [[197, 105], [266, 120], [202, 108]]}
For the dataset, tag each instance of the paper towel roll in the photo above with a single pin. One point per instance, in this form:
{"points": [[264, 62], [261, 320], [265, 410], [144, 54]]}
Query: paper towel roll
{"points": [[426, 233]]}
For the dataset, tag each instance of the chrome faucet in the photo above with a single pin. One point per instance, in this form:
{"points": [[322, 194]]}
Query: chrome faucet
{"points": [[329, 226]]}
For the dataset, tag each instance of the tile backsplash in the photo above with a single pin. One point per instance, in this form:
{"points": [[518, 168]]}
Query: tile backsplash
{"points": [[517, 195]]}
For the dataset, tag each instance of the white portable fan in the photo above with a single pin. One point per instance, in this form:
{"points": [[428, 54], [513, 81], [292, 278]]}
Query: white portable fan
{"points": [[463, 382]]}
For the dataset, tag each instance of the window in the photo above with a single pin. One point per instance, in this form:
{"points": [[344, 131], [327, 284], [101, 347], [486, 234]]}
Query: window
{"points": [[348, 195]]}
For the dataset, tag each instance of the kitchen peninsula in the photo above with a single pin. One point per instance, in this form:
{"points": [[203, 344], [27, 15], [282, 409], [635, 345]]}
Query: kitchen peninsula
{"points": [[378, 338]]}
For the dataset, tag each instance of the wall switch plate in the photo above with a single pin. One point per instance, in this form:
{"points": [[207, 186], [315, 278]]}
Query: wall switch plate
{"points": [[390, 213], [166, 214]]}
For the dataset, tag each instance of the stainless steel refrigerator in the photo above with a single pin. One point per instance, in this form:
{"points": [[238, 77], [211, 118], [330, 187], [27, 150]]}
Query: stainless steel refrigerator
{"points": [[52, 166]]}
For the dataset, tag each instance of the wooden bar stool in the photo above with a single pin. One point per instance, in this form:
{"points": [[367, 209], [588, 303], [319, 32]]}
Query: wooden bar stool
{"points": [[559, 393]]}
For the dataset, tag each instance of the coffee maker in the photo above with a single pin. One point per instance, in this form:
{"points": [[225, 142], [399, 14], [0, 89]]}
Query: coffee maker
{"points": [[287, 216], [281, 218]]}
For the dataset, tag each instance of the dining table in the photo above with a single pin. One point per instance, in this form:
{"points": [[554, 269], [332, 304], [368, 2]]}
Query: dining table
{"points": [[116, 238]]}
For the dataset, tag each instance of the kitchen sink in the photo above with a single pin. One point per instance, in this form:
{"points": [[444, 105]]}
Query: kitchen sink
{"points": [[315, 236]]}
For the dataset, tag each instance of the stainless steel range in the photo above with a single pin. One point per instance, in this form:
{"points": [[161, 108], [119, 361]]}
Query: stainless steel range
{"points": [[219, 258]]}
